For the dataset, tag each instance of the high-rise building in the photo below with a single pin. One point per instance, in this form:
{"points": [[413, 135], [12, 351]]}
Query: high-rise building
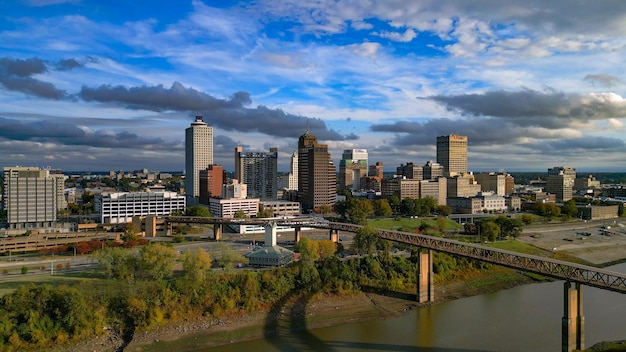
{"points": [[560, 182], [293, 174], [410, 171], [352, 166], [377, 170], [432, 171], [400, 187], [452, 154], [258, 170], [198, 156], [211, 182], [31, 197], [317, 175]]}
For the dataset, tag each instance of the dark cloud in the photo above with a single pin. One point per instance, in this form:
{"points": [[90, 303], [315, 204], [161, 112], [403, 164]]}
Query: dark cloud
{"points": [[68, 64], [603, 80], [231, 114], [15, 74], [159, 98], [550, 109], [67, 134]]}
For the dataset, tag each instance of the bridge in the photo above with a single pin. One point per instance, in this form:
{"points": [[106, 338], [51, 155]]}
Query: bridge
{"points": [[573, 319]]}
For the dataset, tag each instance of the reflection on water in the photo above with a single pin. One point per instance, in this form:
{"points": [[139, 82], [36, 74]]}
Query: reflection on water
{"points": [[525, 318]]}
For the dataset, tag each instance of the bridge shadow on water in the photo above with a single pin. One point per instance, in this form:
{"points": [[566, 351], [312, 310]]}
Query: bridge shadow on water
{"points": [[286, 329]]}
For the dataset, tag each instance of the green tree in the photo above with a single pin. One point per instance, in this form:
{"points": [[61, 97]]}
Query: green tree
{"points": [[527, 219], [264, 212], [117, 263], [366, 240], [489, 230], [382, 208], [196, 265], [394, 203], [442, 224], [324, 209], [341, 208], [444, 210], [359, 209], [226, 257], [240, 214], [198, 211], [409, 207], [569, 208], [156, 261], [308, 249]]}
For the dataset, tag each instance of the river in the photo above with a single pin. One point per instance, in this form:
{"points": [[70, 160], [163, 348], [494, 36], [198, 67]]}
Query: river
{"points": [[524, 318]]}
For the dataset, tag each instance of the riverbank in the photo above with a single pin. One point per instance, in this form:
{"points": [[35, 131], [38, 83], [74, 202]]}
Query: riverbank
{"points": [[298, 313]]}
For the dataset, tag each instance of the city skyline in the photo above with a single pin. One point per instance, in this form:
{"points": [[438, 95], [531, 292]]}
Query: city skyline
{"points": [[87, 85]]}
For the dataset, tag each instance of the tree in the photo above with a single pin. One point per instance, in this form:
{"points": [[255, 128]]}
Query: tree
{"points": [[489, 230], [442, 224], [359, 209], [444, 210], [117, 263], [326, 249], [325, 209], [240, 214], [366, 240], [382, 208], [228, 257], [198, 211], [569, 208], [341, 208], [196, 266], [308, 249], [264, 212], [527, 219], [409, 207], [156, 261], [394, 203]]}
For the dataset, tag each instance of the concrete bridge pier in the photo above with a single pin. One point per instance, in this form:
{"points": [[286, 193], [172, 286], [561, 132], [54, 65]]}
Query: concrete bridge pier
{"points": [[297, 233], [425, 276], [217, 232], [573, 328], [334, 236]]}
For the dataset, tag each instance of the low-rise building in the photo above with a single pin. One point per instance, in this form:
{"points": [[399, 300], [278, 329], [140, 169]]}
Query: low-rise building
{"points": [[281, 207], [121, 207], [226, 208]]}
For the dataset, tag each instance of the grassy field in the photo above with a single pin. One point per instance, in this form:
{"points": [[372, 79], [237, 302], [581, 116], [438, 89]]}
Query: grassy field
{"points": [[8, 285]]}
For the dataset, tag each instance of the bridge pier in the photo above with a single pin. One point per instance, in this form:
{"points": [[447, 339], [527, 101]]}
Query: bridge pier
{"points": [[424, 277], [217, 232], [297, 233], [573, 323], [334, 236]]}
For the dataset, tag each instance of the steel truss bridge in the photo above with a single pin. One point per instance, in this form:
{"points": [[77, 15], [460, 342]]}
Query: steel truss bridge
{"points": [[582, 274]]}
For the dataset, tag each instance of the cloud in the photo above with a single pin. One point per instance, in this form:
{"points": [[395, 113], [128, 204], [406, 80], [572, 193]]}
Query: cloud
{"points": [[550, 109], [68, 64], [15, 75], [229, 114], [406, 37], [68, 134], [603, 80]]}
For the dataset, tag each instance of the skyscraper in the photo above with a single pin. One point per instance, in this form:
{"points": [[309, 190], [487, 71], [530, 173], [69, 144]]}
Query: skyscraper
{"points": [[352, 166], [258, 170], [31, 196], [198, 156], [452, 154], [317, 175]]}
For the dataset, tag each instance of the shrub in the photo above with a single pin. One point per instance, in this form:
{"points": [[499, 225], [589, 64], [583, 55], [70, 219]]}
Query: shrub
{"points": [[43, 267], [67, 265], [5, 271], [59, 266], [24, 270]]}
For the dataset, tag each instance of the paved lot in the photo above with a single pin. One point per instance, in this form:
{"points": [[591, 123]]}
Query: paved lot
{"points": [[598, 242]]}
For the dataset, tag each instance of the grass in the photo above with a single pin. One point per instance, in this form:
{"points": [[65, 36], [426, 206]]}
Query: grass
{"points": [[520, 247], [11, 284]]}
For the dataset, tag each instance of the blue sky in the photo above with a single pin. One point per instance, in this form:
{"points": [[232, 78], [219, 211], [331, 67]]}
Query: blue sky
{"points": [[112, 85]]}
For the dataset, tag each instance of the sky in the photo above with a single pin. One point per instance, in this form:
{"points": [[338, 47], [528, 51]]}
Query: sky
{"points": [[112, 85]]}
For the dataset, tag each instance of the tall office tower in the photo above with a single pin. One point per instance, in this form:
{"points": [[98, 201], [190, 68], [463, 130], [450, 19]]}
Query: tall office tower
{"points": [[31, 196], [352, 166], [258, 170], [317, 175], [452, 154], [410, 171], [560, 182], [293, 174], [432, 170], [211, 182], [198, 156]]}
